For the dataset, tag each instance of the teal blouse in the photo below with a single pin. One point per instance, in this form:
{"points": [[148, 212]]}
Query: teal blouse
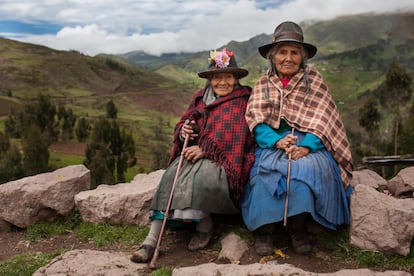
{"points": [[267, 137]]}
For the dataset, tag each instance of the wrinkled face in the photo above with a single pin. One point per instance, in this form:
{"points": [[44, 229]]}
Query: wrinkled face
{"points": [[223, 83], [287, 58]]}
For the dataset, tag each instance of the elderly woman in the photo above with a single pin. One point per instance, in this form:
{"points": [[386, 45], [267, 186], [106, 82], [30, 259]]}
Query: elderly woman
{"points": [[303, 163], [217, 159]]}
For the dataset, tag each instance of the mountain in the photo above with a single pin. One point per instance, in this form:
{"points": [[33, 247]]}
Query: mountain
{"points": [[347, 38]]}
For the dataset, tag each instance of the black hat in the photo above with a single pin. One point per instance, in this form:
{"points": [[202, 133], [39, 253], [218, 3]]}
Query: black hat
{"points": [[223, 62], [288, 32]]}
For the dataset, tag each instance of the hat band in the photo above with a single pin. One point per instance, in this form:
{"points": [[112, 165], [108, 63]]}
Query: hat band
{"points": [[288, 36]]}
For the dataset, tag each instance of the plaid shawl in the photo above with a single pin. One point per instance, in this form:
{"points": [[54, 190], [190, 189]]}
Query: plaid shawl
{"points": [[311, 111], [224, 136]]}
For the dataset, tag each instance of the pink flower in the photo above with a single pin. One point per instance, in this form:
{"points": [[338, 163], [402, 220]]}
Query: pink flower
{"points": [[221, 58]]}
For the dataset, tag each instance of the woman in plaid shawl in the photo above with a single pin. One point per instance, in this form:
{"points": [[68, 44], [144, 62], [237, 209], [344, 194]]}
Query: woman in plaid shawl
{"points": [[217, 160], [291, 112]]}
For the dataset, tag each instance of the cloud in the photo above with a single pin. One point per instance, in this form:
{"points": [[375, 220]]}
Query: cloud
{"points": [[162, 26]]}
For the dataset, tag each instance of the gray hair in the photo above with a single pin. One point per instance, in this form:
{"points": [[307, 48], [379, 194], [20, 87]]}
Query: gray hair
{"points": [[303, 53]]}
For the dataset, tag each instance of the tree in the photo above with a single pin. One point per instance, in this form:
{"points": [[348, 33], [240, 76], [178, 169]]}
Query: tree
{"points": [[10, 160], [395, 92], [67, 120], [111, 110], [36, 153], [96, 159], [407, 133], [369, 116], [40, 113], [110, 152], [11, 165], [82, 129], [44, 116], [12, 127], [4, 143]]}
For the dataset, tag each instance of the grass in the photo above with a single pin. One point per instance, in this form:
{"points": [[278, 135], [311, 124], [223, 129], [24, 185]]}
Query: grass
{"points": [[61, 160], [99, 234], [106, 234], [26, 264], [339, 244]]}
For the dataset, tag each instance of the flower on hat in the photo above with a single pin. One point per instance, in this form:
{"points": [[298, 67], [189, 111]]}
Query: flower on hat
{"points": [[221, 58]]}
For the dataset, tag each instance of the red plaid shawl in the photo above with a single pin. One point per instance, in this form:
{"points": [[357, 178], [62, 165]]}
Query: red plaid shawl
{"points": [[311, 111], [224, 136]]}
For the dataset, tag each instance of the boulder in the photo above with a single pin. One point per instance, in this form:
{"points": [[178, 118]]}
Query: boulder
{"points": [[402, 185], [368, 178], [381, 222], [42, 197], [91, 262], [120, 204]]}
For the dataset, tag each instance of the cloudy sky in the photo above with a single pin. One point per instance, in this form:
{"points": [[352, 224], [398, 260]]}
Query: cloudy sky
{"points": [[164, 26]]}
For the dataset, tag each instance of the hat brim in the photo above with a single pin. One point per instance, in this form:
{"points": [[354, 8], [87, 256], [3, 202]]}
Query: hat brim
{"points": [[311, 49], [238, 72]]}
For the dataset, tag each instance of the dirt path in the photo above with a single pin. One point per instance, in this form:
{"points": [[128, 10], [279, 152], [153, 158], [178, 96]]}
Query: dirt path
{"points": [[174, 251]]}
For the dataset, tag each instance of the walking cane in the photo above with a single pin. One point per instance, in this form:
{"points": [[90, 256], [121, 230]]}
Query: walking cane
{"points": [[167, 209], [287, 187]]}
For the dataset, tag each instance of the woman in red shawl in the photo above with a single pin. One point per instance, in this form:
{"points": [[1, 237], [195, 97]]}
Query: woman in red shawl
{"points": [[217, 159], [291, 113]]}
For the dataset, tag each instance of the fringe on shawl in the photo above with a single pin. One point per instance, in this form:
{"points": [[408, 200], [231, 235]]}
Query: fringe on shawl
{"points": [[215, 154]]}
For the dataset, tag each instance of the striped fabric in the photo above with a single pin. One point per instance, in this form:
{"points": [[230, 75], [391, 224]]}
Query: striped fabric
{"points": [[311, 111]]}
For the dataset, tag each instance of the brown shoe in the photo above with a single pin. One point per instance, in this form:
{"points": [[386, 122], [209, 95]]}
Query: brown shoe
{"points": [[143, 254], [263, 244], [300, 243], [200, 240]]}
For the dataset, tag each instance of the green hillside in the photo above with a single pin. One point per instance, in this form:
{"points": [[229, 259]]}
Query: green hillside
{"points": [[85, 84]]}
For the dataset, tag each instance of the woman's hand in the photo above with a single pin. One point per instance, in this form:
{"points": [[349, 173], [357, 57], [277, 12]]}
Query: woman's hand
{"points": [[297, 152], [193, 153], [286, 142], [188, 129]]}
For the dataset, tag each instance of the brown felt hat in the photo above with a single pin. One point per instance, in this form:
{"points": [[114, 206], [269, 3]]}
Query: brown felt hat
{"points": [[223, 62], [288, 32]]}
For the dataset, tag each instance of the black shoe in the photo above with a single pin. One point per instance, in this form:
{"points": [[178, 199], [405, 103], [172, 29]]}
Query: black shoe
{"points": [[300, 243], [263, 244], [143, 254], [200, 240]]}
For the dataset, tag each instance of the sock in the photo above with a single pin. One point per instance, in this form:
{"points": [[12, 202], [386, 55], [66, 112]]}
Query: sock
{"points": [[154, 233], [205, 224]]}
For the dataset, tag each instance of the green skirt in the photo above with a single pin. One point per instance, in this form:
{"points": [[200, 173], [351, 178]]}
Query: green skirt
{"points": [[201, 186]]}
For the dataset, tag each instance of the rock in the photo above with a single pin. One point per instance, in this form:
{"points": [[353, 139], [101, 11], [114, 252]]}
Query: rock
{"points": [[270, 269], [42, 197], [381, 222], [91, 262], [120, 204], [368, 178], [232, 248], [402, 185]]}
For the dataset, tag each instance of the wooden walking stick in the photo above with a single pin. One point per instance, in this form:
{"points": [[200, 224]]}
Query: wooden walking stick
{"points": [[287, 187], [167, 209]]}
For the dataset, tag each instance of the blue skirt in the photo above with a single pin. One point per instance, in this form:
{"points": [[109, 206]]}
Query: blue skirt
{"points": [[315, 187]]}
